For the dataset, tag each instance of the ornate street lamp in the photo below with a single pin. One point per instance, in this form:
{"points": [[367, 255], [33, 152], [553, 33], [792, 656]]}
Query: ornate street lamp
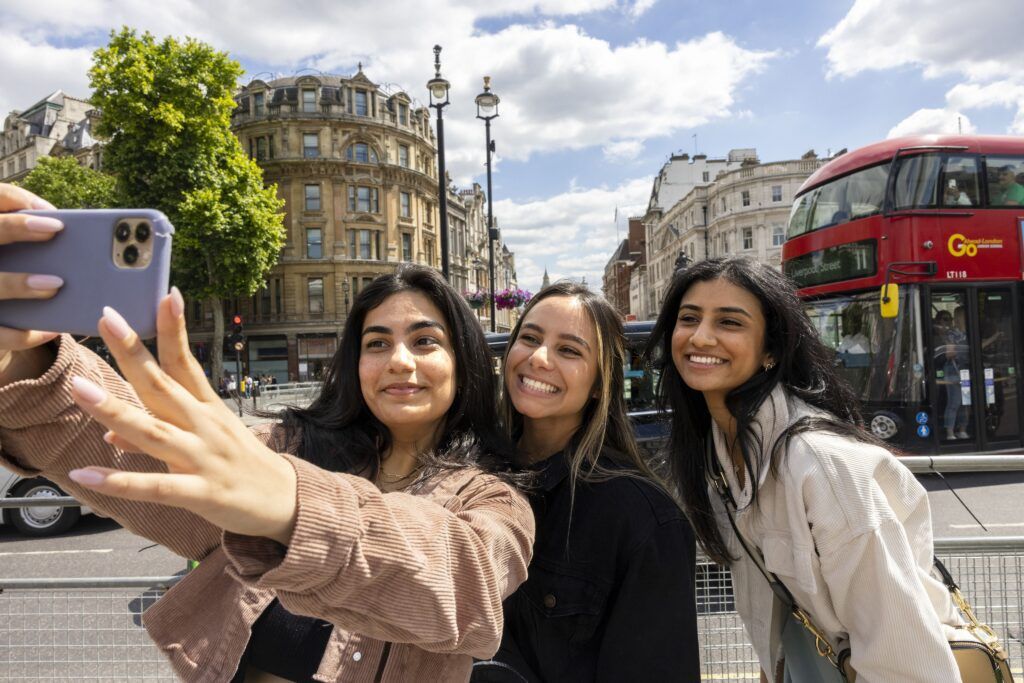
{"points": [[438, 88], [487, 109]]}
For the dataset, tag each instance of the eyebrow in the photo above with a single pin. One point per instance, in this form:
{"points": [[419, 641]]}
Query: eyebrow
{"points": [[723, 309], [571, 337], [418, 325]]}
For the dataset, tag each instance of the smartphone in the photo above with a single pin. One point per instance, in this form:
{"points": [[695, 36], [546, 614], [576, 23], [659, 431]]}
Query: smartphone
{"points": [[106, 257]]}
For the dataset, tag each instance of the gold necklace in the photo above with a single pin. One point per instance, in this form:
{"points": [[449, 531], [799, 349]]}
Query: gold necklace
{"points": [[393, 478]]}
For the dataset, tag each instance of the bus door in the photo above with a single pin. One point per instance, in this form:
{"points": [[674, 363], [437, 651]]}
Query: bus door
{"points": [[974, 385]]}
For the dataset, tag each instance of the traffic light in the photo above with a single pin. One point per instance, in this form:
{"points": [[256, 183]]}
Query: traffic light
{"points": [[237, 338]]}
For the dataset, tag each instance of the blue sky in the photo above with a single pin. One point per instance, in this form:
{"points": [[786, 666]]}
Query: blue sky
{"points": [[595, 93]]}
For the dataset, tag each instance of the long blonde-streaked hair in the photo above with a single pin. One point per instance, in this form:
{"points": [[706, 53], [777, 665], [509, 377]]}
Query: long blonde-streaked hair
{"points": [[606, 426]]}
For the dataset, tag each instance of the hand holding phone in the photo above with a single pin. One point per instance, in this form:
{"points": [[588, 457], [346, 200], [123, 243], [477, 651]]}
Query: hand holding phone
{"points": [[110, 257]]}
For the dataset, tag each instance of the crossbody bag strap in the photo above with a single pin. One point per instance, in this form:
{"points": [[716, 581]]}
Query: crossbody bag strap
{"points": [[720, 484]]}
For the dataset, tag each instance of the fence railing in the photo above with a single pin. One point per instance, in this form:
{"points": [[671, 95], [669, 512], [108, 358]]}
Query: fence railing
{"points": [[91, 628]]}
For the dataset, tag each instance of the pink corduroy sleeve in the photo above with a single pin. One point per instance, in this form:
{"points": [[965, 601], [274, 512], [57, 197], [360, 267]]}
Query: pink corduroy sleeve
{"points": [[395, 566], [44, 433]]}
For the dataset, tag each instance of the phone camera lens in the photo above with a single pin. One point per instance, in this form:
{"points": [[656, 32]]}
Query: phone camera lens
{"points": [[123, 232], [131, 254], [142, 232]]}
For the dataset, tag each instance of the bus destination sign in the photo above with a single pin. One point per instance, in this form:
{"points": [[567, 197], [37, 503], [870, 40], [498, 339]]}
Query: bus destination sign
{"points": [[833, 264]]}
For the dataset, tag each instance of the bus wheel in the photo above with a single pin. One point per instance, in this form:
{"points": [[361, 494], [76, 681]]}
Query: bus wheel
{"points": [[885, 425]]}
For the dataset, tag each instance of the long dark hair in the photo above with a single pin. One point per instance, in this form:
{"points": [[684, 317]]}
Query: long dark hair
{"points": [[605, 427], [803, 365], [338, 432]]}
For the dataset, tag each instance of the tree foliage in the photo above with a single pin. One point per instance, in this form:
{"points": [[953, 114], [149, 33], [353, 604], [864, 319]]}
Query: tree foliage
{"points": [[166, 114], [66, 184]]}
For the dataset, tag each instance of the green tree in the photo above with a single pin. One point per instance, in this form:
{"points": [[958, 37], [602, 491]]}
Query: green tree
{"points": [[166, 113], [66, 184]]}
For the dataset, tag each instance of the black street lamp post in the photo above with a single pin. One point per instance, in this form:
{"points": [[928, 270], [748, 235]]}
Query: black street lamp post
{"points": [[487, 109], [438, 88]]}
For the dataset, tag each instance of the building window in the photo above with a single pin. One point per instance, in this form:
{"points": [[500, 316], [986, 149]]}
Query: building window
{"points": [[428, 250], [362, 153], [361, 108], [257, 104], [723, 204], [705, 176], [314, 243], [309, 100], [406, 246], [778, 236], [264, 301], [725, 244], [312, 197], [315, 291], [405, 202], [22, 162], [363, 199], [310, 145], [748, 238], [364, 244], [403, 155], [745, 196], [403, 114], [776, 193]]}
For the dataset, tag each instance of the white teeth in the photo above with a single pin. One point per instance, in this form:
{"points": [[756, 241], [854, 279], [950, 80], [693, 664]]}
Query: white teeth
{"points": [[706, 360], [539, 386]]}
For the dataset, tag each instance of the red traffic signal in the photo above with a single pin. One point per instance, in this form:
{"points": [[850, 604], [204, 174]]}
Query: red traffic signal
{"points": [[237, 320]]}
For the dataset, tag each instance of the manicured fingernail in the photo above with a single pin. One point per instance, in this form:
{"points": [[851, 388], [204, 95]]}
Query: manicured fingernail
{"points": [[177, 303], [44, 282], [42, 205], [87, 477], [116, 324], [43, 224], [87, 391]]}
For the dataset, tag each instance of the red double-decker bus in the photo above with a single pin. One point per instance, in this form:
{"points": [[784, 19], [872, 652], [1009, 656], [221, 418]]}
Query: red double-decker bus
{"points": [[908, 255]]}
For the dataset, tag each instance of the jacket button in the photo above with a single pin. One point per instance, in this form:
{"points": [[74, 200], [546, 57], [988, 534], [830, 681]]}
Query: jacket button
{"points": [[357, 656], [549, 601]]}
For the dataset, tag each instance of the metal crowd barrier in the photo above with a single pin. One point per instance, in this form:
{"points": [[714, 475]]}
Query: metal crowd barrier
{"points": [[90, 629]]}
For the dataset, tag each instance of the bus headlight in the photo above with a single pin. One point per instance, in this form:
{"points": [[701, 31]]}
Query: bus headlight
{"points": [[885, 426]]}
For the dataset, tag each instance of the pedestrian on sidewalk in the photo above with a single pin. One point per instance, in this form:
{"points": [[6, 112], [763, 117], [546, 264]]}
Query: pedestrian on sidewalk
{"points": [[371, 536]]}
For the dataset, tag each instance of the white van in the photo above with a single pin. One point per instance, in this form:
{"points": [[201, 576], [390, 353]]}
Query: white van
{"points": [[36, 521]]}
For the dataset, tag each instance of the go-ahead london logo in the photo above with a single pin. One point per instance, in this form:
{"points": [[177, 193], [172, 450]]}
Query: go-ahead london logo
{"points": [[959, 245]]}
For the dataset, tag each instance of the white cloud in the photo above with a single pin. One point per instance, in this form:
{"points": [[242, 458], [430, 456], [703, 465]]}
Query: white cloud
{"points": [[622, 150], [571, 234], [560, 87], [933, 122], [978, 41]]}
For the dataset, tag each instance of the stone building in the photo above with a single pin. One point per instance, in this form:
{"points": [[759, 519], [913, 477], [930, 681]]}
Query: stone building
{"points": [[744, 210], [469, 262], [355, 163], [630, 255], [58, 124]]}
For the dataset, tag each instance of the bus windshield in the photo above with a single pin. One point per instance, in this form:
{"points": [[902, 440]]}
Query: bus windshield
{"points": [[855, 195], [880, 358]]}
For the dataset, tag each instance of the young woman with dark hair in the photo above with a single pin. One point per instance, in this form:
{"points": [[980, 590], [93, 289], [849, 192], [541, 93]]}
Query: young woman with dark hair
{"points": [[610, 592], [372, 536], [757, 405]]}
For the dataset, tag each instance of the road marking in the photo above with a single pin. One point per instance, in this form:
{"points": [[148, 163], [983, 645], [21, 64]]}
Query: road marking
{"points": [[997, 525], [58, 552]]}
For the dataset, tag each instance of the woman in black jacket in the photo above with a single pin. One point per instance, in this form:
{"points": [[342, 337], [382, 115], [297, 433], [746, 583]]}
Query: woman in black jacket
{"points": [[610, 592]]}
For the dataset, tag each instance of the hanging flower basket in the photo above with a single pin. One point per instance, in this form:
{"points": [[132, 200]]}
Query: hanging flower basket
{"points": [[512, 298], [476, 299]]}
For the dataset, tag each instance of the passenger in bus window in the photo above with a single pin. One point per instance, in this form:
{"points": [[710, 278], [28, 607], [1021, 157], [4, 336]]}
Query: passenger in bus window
{"points": [[765, 436], [955, 196], [371, 536], [1006, 191], [610, 591]]}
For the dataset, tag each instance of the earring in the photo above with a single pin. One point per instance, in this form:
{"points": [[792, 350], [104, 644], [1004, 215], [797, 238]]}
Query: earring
{"points": [[769, 365]]}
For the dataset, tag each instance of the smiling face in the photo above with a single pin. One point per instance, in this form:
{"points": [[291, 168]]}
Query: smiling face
{"points": [[718, 341], [551, 367], [407, 367]]}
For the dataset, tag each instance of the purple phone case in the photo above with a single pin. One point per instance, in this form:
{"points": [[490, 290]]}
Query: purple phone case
{"points": [[81, 255]]}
